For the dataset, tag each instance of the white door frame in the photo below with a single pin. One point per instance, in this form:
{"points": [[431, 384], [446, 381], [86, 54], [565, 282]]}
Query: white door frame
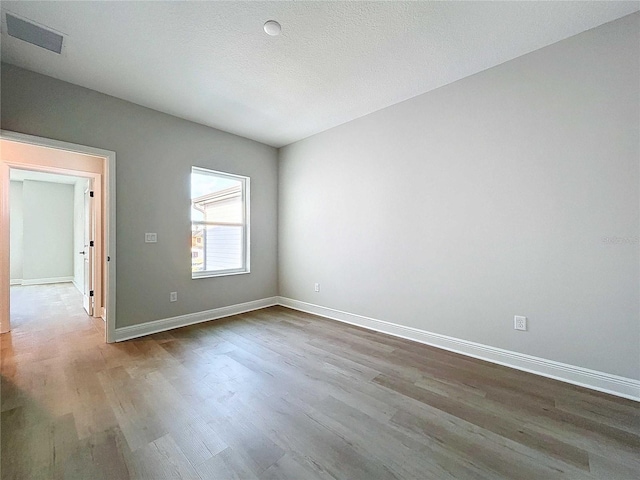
{"points": [[109, 221], [89, 231]]}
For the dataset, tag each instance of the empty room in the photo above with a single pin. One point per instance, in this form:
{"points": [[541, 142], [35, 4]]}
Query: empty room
{"points": [[320, 240]]}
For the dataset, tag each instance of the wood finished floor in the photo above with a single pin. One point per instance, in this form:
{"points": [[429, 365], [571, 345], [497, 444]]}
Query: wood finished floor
{"points": [[278, 394]]}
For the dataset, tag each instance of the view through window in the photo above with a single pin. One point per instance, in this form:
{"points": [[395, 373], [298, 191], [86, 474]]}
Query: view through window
{"points": [[219, 223]]}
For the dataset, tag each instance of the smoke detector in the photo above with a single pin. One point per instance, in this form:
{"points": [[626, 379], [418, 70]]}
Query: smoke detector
{"points": [[272, 28]]}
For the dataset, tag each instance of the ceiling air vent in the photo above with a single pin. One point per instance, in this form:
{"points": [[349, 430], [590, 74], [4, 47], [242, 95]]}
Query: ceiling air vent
{"points": [[41, 37]]}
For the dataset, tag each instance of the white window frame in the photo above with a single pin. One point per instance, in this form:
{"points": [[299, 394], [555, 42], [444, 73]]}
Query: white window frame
{"points": [[246, 201]]}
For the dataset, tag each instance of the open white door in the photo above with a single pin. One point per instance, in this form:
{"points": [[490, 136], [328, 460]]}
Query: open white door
{"points": [[87, 252]]}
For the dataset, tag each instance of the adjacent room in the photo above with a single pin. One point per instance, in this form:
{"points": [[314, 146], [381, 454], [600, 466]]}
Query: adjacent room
{"points": [[320, 240]]}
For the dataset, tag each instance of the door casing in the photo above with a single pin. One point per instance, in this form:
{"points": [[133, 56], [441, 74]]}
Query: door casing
{"points": [[69, 159], [88, 283]]}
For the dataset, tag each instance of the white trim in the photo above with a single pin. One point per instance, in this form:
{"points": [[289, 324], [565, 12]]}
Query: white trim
{"points": [[15, 281], [51, 143], [108, 221], [584, 377], [210, 274], [246, 204], [156, 326], [43, 281]]}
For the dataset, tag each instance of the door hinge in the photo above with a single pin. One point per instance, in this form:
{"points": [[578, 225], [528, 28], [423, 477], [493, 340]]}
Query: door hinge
{"points": [[91, 193], [91, 243], [91, 293]]}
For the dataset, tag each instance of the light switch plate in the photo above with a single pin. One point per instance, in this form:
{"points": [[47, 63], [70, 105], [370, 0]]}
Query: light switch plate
{"points": [[150, 238]]}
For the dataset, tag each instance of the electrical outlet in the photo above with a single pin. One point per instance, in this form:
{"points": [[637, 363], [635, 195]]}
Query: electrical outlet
{"points": [[173, 297], [316, 287], [519, 323], [150, 238]]}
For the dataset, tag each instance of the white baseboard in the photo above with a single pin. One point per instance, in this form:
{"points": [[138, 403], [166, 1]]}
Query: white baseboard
{"points": [[600, 381], [592, 379], [156, 326], [42, 281], [15, 281]]}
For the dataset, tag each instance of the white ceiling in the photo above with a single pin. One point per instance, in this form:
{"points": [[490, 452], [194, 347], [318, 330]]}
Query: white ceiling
{"points": [[211, 62]]}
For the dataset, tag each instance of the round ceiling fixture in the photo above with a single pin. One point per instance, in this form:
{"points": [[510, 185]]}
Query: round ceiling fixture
{"points": [[272, 28]]}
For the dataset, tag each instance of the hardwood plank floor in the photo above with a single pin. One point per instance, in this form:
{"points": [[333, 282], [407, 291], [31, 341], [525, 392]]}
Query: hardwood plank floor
{"points": [[279, 394]]}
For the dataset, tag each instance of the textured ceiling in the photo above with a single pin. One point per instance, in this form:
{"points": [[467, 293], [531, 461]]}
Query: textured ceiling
{"points": [[211, 62]]}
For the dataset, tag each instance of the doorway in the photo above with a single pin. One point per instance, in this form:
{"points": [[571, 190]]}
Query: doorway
{"points": [[52, 226], [36, 154]]}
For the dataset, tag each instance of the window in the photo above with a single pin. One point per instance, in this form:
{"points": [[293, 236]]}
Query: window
{"points": [[219, 223]]}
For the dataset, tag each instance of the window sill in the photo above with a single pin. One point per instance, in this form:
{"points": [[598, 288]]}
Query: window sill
{"points": [[218, 274]]}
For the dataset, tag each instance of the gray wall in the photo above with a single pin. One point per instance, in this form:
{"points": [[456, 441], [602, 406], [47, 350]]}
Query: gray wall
{"points": [[47, 230], [155, 153], [450, 212], [488, 198], [15, 228]]}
